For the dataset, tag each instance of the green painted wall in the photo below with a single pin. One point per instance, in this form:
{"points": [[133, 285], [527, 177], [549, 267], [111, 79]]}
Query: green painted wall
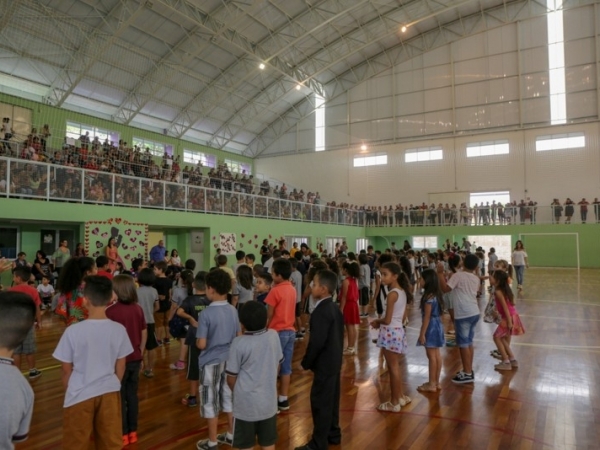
{"points": [[57, 119], [546, 245]]}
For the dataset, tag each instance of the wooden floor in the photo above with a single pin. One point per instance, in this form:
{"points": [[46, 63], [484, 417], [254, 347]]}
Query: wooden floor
{"points": [[551, 401]]}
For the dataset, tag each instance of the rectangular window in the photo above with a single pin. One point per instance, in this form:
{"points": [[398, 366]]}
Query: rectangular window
{"points": [[289, 241], [556, 62], [423, 154], [9, 243], [319, 123], [76, 130], [194, 157], [361, 244], [237, 166], [156, 148], [330, 244], [377, 159], [421, 242], [487, 148], [559, 142]]}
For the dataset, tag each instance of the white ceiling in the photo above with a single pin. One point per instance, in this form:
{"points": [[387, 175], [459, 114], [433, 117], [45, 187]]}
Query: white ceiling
{"points": [[191, 66]]}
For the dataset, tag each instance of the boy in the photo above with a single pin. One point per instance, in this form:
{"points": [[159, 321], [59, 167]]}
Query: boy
{"points": [[364, 282], [281, 313], [190, 308], [296, 280], [92, 405], [148, 300], [324, 357], [20, 261], [46, 292], [465, 284], [218, 325], [222, 264], [262, 287], [240, 256], [163, 286], [17, 313], [21, 276], [251, 371], [250, 258], [103, 267]]}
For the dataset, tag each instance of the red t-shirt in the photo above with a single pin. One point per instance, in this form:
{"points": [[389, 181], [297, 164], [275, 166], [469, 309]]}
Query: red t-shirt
{"points": [[29, 290], [102, 273], [132, 318], [282, 298]]}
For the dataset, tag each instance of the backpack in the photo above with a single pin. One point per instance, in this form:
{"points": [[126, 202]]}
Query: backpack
{"points": [[178, 326]]}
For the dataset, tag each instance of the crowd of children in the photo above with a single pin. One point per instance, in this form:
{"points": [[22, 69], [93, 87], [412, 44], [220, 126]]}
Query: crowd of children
{"points": [[237, 327]]}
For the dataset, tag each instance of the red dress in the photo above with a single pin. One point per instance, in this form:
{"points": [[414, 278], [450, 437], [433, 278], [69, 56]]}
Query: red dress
{"points": [[351, 313]]}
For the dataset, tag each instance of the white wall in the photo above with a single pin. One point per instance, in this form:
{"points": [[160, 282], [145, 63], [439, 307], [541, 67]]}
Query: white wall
{"points": [[524, 172]]}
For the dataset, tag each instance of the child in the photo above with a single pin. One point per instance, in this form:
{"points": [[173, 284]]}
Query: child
{"points": [[349, 304], [324, 357], [189, 310], [511, 323], [364, 281], [240, 257], [281, 311], [243, 291], [17, 315], [454, 262], [466, 312], [148, 301], [21, 261], [222, 264], [92, 401], [128, 313], [70, 285], [432, 331], [21, 276], [103, 267], [392, 337], [182, 289], [163, 286], [46, 292], [262, 286], [250, 258], [251, 370], [380, 290], [296, 280], [218, 325]]}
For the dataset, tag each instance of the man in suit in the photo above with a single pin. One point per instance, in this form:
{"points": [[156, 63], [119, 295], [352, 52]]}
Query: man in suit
{"points": [[324, 357]]}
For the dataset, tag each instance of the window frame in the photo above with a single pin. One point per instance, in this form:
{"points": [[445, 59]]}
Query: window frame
{"points": [[425, 242], [143, 144], [101, 133], [367, 160], [479, 149], [423, 154], [559, 137], [207, 159]]}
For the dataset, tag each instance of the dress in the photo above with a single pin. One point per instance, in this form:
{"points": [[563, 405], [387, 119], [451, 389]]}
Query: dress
{"points": [[503, 330], [434, 335], [70, 306], [351, 316], [113, 255]]}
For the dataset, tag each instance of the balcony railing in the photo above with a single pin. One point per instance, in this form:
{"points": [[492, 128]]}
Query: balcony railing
{"points": [[35, 180]]}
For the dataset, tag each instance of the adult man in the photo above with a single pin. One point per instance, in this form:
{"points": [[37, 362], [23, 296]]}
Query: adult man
{"points": [[157, 253]]}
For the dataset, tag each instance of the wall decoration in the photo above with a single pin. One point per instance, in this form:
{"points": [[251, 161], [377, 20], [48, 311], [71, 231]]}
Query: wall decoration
{"points": [[227, 243], [131, 239]]}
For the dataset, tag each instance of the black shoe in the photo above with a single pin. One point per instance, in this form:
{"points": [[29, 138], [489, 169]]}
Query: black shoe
{"points": [[34, 373], [283, 406], [462, 378]]}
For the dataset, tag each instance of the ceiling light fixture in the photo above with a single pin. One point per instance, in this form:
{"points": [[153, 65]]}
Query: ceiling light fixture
{"points": [[298, 86], [363, 148], [403, 29], [261, 66]]}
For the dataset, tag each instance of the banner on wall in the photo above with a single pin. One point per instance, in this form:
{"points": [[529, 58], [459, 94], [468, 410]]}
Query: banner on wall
{"points": [[131, 239]]}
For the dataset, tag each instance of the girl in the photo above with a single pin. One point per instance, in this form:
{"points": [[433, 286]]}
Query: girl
{"points": [[392, 338], [519, 262], [128, 313], [243, 290], [349, 304], [504, 266], [112, 253], [70, 285], [432, 331], [511, 323]]}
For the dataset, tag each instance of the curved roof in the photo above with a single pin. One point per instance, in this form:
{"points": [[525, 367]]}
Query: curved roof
{"points": [[192, 66]]}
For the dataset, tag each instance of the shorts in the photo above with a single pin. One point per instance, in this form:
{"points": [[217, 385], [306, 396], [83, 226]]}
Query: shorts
{"points": [[465, 330], [193, 370], [298, 309], [448, 301], [214, 393], [364, 296], [287, 339], [151, 342], [245, 433], [392, 339], [28, 346]]}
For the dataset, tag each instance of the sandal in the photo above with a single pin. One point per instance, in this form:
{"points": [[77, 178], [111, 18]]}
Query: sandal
{"points": [[388, 406], [405, 400], [426, 387]]}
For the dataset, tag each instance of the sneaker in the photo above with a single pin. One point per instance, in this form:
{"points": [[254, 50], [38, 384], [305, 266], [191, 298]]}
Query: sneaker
{"points": [[349, 351], [284, 405], [204, 445], [503, 366], [34, 373], [133, 437], [462, 378], [179, 365], [223, 439], [148, 373], [450, 343], [299, 336], [496, 354], [514, 363], [189, 400], [125, 440]]}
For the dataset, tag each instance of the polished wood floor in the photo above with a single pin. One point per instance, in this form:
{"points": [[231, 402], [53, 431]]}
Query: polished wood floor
{"points": [[551, 401]]}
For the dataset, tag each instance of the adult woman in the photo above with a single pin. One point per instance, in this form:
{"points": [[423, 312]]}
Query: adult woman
{"points": [[80, 250], [61, 255], [519, 262], [70, 285], [406, 247], [112, 253], [569, 210], [175, 261], [41, 266], [265, 254]]}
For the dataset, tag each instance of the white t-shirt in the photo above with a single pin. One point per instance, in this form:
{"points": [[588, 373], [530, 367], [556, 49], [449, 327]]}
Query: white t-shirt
{"points": [[464, 286], [45, 291], [17, 405], [399, 307], [518, 257], [93, 347]]}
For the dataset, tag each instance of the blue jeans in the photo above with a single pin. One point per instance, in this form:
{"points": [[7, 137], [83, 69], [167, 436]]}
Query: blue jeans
{"points": [[287, 339], [520, 271], [465, 330]]}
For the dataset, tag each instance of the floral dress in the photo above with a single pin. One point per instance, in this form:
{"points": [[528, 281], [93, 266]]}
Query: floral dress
{"points": [[70, 306]]}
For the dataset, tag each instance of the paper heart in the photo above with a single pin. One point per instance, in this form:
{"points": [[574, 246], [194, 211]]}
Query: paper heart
{"points": [[132, 239], [133, 249], [250, 241], [243, 235], [142, 244], [96, 230], [124, 246], [256, 236], [241, 245], [128, 231], [99, 244], [104, 235], [255, 245], [216, 245], [109, 221], [214, 237], [138, 232], [95, 255], [127, 256], [270, 236], [118, 220]]}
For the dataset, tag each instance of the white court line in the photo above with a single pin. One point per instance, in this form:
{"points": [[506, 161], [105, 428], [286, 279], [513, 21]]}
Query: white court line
{"points": [[559, 318], [572, 303]]}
